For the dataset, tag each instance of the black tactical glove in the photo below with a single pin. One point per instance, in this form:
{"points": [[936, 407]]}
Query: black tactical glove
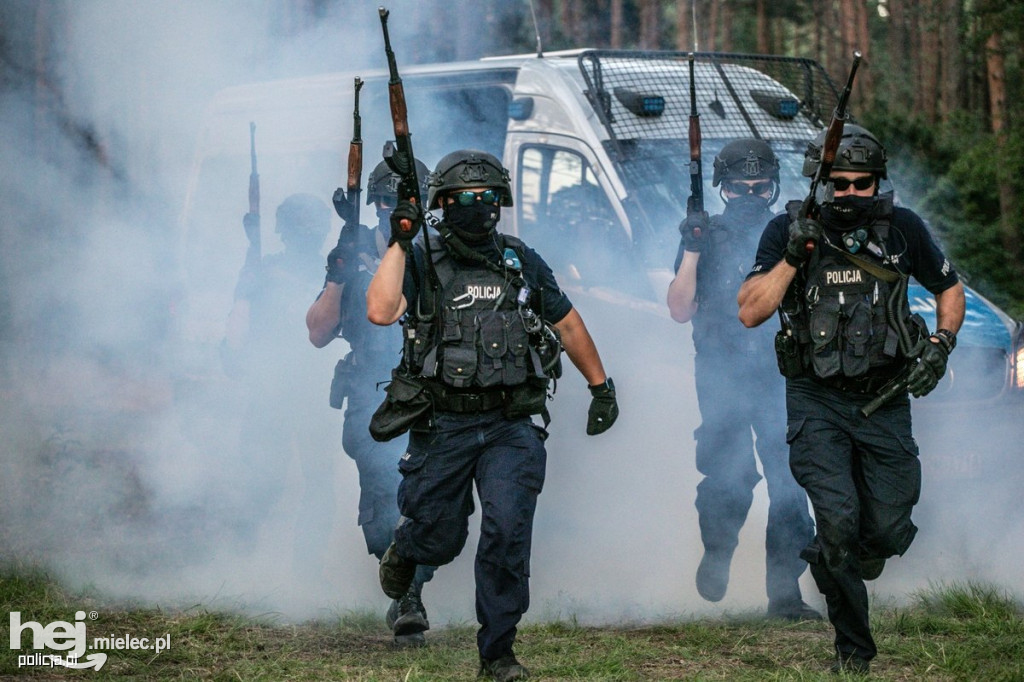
{"points": [[343, 255], [405, 223], [802, 231], [694, 229], [603, 408], [930, 368]]}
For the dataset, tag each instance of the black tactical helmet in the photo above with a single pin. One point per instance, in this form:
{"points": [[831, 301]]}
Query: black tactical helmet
{"points": [[859, 152], [303, 215], [383, 183], [745, 159], [464, 169]]}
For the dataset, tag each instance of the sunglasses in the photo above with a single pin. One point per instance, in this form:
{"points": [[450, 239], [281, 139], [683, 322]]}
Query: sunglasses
{"points": [[843, 184], [468, 197], [741, 188]]}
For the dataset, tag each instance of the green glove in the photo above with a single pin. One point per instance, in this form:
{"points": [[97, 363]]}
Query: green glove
{"points": [[604, 410]]}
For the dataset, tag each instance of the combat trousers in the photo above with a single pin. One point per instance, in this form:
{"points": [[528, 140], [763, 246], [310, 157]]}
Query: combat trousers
{"points": [[863, 478], [735, 406], [506, 460]]}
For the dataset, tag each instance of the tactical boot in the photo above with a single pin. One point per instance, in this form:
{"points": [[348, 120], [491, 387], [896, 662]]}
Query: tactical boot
{"points": [[713, 574], [396, 573], [871, 568], [854, 665], [792, 611], [407, 618], [504, 669]]}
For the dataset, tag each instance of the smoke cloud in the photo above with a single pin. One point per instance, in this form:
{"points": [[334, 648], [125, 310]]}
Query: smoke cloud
{"points": [[124, 463]]}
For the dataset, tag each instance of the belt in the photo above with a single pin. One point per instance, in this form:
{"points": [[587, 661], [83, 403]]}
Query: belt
{"points": [[863, 384], [448, 401]]}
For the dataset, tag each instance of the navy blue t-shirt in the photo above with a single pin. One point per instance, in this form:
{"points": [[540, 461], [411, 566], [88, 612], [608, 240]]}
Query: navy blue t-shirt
{"points": [[547, 297], [910, 247]]}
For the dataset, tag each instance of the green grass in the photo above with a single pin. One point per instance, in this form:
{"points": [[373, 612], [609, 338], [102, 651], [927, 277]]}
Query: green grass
{"points": [[963, 631]]}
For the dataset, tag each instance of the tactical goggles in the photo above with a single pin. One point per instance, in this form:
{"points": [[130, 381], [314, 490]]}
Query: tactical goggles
{"points": [[843, 184], [741, 188], [469, 197]]}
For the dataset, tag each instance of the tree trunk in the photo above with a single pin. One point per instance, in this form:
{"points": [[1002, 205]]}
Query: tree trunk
{"points": [[996, 71], [616, 29], [763, 39], [684, 38]]}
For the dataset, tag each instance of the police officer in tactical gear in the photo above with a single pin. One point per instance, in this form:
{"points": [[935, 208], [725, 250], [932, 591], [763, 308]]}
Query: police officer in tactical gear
{"points": [[839, 284], [340, 311], [479, 309], [739, 392], [265, 352]]}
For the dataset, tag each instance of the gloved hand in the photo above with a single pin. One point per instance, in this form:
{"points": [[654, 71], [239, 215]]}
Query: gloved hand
{"points": [[251, 224], [405, 223], [603, 408], [694, 230], [801, 231], [930, 368], [338, 264], [341, 257]]}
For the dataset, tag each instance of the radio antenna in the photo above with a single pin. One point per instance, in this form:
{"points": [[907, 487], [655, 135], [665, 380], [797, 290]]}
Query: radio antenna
{"points": [[536, 29], [693, 21]]}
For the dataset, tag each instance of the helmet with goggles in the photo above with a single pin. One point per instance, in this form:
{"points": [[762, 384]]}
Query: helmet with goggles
{"points": [[468, 169]]}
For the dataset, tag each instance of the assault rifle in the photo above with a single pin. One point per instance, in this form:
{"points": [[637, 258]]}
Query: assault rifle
{"points": [[398, 154], [829, 147], [695, 204], [251, 220], [346, 203]]}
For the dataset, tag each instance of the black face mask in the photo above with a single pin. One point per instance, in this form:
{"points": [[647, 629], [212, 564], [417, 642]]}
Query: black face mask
{"points": [[473, 223], [748, 210], [384, 222], [849, 212]]}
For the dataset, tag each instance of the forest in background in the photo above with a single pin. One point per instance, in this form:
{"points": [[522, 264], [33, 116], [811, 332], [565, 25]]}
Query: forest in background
{"points": [[940, 83]]}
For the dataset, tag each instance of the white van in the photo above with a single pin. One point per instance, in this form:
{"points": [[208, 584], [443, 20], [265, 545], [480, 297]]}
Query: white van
{"points": [[596, 143]]}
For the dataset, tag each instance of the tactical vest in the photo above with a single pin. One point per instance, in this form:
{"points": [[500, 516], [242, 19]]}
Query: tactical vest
{"points": [[723, 266], [481, 334], [842, 309], [372, 342]]}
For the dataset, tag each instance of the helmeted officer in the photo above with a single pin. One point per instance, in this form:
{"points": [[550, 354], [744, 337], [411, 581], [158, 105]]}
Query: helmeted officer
{"points": [[482, 314], [839, 283], [739, 392], [340, 312], [267, 354]]}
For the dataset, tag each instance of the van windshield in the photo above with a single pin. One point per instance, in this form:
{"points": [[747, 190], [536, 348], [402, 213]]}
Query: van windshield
{"points": [[657, 178]]}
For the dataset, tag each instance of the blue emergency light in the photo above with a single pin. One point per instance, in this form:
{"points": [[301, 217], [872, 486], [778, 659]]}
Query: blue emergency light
{"points": [[641, 104]]}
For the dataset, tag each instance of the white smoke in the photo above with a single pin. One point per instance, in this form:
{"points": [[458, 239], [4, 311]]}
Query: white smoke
{"points": [[122, 466]]}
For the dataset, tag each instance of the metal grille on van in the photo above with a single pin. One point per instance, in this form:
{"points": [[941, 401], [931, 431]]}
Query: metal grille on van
{"points": [[646, 95]]}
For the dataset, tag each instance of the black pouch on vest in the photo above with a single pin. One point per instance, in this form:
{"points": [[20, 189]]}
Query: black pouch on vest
{"points": [[787, 353], [407, 403], [339, 384], [825, 357], [526, 399], [856, 360]]}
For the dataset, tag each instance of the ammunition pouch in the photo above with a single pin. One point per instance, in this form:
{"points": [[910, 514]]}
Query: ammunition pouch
{"points": [[341, 382], [408, 402], [787, 354]]}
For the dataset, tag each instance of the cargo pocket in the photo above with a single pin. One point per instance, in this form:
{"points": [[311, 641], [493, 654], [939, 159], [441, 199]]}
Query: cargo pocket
{"points": [[856, 360], [459, 366], [825, 358]]}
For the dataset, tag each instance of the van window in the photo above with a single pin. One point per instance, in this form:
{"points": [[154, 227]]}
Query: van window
{"points": [[565, 214]]}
